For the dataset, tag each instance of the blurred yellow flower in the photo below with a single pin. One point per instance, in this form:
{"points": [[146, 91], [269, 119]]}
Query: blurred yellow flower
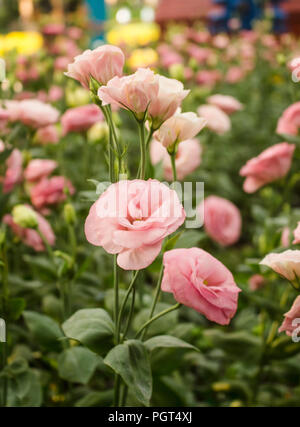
{"points": [[134, 34], [143, 58], [25, 43]]}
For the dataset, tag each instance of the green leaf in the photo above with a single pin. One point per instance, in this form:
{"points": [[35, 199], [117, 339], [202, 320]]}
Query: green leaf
{"points": [[77, 364], [167, 341], [96, 398], [92, 327], [189, 239], [16, 306], [44, 330], [170, 243], [131, 361]]}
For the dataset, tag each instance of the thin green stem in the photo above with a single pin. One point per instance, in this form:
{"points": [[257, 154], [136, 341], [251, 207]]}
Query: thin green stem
{"points": [[155, 300], [116, 298], [124, 302], [117, 390], [161, 314], [143, 150], [130, 314], [173, 162]]}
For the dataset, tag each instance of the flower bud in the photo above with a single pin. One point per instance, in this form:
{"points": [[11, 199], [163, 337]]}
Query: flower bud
{"points": [[69, 214], [24, 216]]}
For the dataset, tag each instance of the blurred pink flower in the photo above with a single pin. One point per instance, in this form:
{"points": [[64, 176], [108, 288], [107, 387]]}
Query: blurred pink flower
{"points": [[47, 135], [80, 119], [234, 74], [50, 191], [38, 169], [256, 282], [222, 220], [226, 103], [55, 93], [217, 121], [102, 64], [198, 280], [13, 173], [272, 164], [289, 122], [285, 237], [208, 77], [31, 237], [132, 218], [296, 234], [288, 326], [188, 158], [37, 114], [61, 63]]}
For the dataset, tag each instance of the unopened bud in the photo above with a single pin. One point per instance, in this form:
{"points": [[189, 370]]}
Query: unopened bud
{"points": [[69, 213], [24, 216]]}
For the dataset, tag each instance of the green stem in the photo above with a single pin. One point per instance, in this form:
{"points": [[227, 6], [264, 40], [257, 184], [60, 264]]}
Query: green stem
{"points": [[124, 302], [155, 300], [116, 299], [130, 314], [173, 162], [117, 390], [162, 313], [143, 150]]}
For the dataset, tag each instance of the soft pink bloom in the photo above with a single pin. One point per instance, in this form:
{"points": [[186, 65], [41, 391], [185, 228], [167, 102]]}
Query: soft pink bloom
{"points": [[208, 77], [132, 218], [201, 54], [188, 158], [55, 93], [289, 122], [61, 63], [180, 127], [294, 67], [102, 64], [13, 173], [285, 237], [217, 121], [37, 114], [169, 58], [4, 116], [296, 234], [38, 169], [53, 29], [47, 135], [272, 164], [287, 263], [226, 103], [234, 74], [75, 33], [256, 282], [169, 98], [81, 118], [31, 237], [198, 280], [221, 41], [50, 191], [12, 107], [289, 325], [134, 92], [222, 220]]}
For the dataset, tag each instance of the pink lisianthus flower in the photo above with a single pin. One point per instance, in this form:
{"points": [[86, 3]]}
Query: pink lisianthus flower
{"points": [[289, 122], [14, 171], [226, 103], [198, 280], [286, 263], [50, 191], [132, 218], [38, 169], [47, 135], [80, 119], [37, 114], [290, 323], [272, 164], [217, 121]]}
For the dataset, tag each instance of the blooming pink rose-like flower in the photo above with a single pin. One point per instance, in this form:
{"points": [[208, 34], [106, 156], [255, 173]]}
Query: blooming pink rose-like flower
{"points": [[37, 114], [102, 64], [12, 107], [217, 121], [234, 75], [134, 92], [81, 118], [132, 218], [256, 282], [55, 93], [287, 263], [296, 234], [226, 103], [222, 220], [169, 98], [50, 191], [289, 122], [47, 135], [272, 164], [178, 128], [288, 326], [13, 174], [31, 237], [198, 280], [38, 169], [188, 158], [208, 77]]}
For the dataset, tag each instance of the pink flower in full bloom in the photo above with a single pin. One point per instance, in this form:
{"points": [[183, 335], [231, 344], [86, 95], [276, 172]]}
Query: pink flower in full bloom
{"points": [[37, 114], [222, 220], [132, 218], [289, 122], [217, 121], [188, 158], [228, 104], [198, 280], [286, 263], [289, 324], [102, 64], [272, 164], [50, 191], [81, 118], [134, 92], [38, 169], [30, 237]]}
